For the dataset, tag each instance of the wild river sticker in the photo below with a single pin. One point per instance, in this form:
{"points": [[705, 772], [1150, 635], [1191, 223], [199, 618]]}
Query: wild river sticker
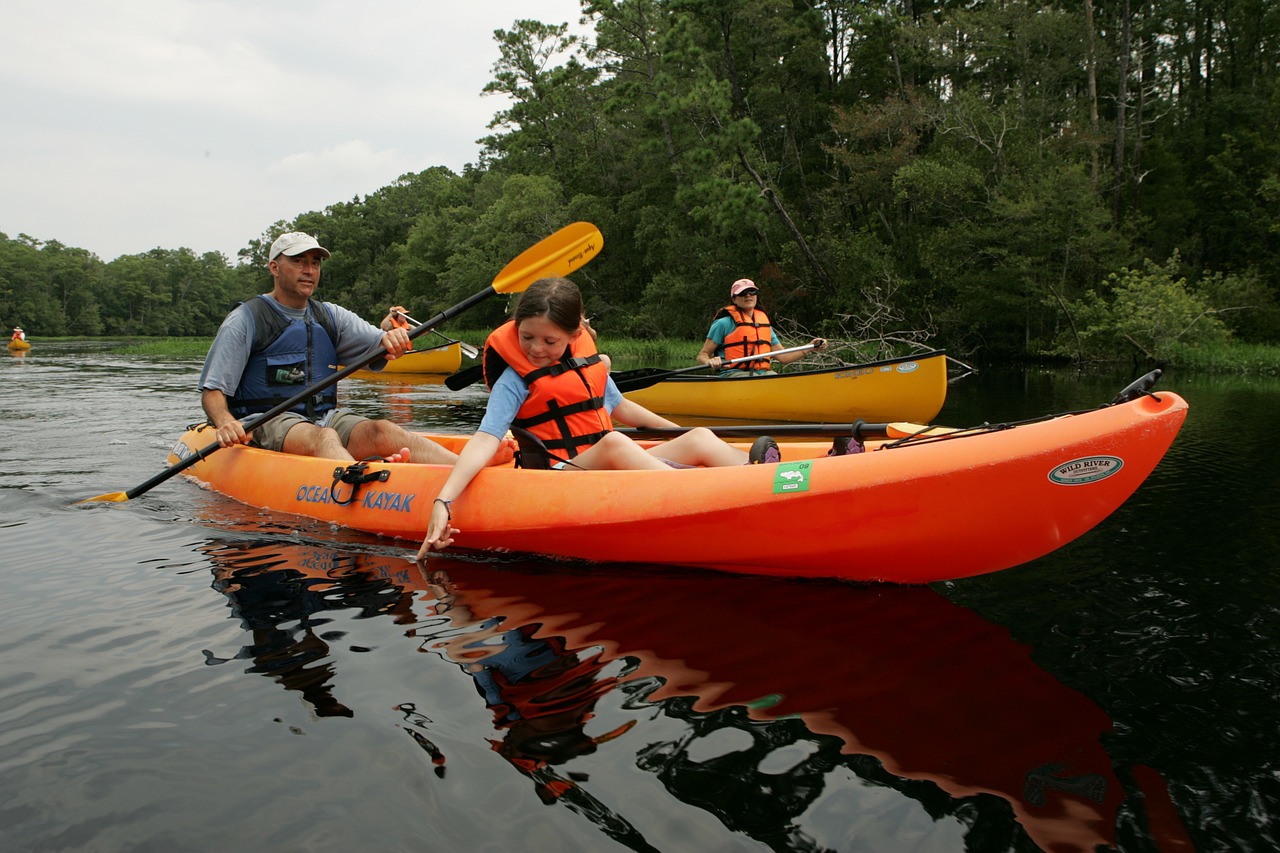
{"points": [[792, 477], [1087, 469]]}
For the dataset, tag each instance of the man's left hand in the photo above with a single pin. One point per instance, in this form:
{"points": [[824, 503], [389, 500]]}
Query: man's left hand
{"points": [[396, 342]]}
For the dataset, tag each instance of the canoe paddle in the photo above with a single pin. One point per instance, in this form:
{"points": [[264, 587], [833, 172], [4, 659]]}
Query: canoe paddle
{"points": [[467, 349], [627, 380], [643, 377], [557, 255]]}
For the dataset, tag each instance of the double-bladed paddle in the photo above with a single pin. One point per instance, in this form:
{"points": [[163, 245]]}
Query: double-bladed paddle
{"points": [[464, 377], [627, 380], [557, 255], [859, 429]]}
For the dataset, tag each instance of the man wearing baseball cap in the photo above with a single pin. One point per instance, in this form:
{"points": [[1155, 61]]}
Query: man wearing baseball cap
{"points": [[273, 346], [741, 329]]}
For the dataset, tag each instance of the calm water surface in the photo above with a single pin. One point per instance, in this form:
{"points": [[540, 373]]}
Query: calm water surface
{"points": [[180, 672]]}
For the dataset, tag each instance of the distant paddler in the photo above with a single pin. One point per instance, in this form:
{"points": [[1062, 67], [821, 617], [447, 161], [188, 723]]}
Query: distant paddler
{"points": [[398, 318], [741, 329]]}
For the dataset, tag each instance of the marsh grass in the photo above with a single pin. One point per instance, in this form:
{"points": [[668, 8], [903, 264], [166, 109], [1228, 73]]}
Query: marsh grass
{"points": [[165, 347], [1246, 359], [627, 353]]}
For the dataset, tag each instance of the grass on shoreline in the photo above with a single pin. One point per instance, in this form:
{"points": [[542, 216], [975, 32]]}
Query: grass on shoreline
{"points": [[1242, 359], [627, 351]]}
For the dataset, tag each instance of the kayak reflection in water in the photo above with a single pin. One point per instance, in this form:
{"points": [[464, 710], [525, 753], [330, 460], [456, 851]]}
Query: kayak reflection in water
{"points": [[743, 696]]}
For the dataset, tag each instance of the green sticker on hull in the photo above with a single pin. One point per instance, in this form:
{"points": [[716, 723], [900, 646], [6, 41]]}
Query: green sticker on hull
{"points": [[792, 477]]}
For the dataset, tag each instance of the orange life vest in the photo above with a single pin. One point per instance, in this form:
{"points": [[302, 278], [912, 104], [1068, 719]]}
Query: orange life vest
{"points": [[565, 407], [752, 335], [399, 321]]}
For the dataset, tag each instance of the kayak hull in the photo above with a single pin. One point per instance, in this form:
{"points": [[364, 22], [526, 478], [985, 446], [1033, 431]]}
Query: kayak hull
{"points": [[907, 512], [19, 346], [441, 359], [902, 389]]}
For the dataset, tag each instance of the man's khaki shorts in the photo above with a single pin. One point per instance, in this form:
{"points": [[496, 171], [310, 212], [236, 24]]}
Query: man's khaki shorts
{"points": [[270, 436]]}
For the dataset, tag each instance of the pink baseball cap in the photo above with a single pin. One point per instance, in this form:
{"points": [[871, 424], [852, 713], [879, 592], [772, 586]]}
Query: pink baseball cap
{"points": [[741, 285]]}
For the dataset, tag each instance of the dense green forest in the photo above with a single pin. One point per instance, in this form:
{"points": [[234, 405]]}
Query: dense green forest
{"points": [[1002, 178]]}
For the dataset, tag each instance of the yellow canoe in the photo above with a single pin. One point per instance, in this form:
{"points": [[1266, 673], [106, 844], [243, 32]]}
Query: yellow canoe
{"points": [[899, 389], [19, 346], [446, 358]]}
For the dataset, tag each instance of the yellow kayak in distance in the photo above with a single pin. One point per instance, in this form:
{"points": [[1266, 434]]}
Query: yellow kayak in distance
{"points": [[899, 389], [446, 358]]}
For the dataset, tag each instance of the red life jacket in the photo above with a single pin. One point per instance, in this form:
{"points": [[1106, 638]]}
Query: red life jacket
{"points": [[565, 407], [752, 335]]}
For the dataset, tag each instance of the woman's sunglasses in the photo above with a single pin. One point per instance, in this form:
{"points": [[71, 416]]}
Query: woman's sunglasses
{"points": [[747, 292]]}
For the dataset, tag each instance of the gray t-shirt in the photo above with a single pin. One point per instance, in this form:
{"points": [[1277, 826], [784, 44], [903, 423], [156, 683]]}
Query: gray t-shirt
{"points": [[229, 353]]}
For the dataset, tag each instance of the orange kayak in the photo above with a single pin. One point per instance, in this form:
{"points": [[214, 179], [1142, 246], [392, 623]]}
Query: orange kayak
{"points": [[910, 510]]}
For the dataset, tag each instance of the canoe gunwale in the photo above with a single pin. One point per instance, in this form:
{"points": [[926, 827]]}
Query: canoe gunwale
{"points": [[793, 374]]}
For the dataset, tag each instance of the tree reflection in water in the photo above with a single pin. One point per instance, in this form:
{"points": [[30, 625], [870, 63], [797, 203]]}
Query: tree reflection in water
{"points": [[796, 701]]}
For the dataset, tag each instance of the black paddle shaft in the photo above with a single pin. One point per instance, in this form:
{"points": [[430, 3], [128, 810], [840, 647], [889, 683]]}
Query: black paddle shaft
{"points": [[858, 429]]}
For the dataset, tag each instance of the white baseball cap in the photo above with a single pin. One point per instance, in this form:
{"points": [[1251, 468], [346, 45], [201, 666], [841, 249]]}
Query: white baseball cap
{"points": [[294, 243]]}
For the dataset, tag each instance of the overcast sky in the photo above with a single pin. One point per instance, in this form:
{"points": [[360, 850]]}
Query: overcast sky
{"points": [[131, 124]]}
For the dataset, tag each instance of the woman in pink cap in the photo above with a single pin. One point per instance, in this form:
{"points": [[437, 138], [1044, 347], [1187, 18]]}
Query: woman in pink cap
{"points": [[740, 329]]}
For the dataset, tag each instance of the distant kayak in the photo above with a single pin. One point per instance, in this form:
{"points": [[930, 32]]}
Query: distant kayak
{"points": [[900, 389], [19, 346]]}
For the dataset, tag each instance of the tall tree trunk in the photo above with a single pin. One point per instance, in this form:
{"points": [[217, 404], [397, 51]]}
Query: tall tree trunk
{"points": [[1092, 72], [1122, 105], [769, 193], [1146, 79]]}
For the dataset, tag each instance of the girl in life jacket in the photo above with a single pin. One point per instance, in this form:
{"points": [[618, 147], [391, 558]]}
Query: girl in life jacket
{"points": [[545, 376], [740, 330]]}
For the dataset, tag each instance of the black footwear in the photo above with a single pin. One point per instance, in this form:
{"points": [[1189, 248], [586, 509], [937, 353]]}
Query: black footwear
{"points": [[845, 446], [764, 451]]}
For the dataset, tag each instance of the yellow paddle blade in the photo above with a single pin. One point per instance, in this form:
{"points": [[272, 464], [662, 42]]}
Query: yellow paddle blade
{"points": [[908, 430], [558, 255], [109, 497]]}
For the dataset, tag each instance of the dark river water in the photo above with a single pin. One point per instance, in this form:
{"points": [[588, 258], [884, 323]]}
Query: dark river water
{"points": [[180, 672]]}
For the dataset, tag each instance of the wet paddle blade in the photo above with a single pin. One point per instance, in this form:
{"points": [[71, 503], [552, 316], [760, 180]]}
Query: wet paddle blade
{"points": [[467, 376], [109, 497]]}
